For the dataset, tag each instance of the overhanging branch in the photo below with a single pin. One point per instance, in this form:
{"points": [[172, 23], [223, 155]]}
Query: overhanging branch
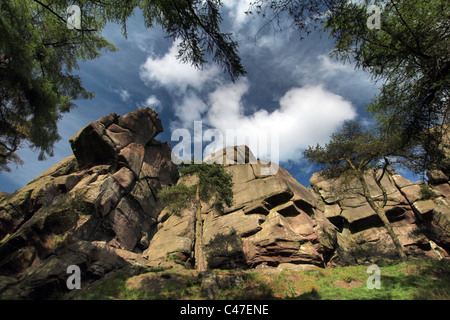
{"points": [[59, 17]]}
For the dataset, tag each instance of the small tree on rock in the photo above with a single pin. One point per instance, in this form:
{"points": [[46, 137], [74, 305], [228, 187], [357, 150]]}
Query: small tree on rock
{"points": [[354, 152], [213, 185]]}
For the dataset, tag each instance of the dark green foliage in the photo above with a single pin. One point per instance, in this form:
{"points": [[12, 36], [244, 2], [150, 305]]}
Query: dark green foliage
{"points": [[349, 149], [352, 152], [426, 192], [214, 184], [306, 15], [38, 55], [197, 23], [177, 197], [409, 54]]}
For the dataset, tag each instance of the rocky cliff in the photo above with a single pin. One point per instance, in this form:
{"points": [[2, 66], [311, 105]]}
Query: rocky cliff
{"points": [[98, 209], [95, 209], [420, 219]]}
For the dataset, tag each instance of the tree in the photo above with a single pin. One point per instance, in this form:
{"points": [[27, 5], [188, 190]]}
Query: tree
{"points": [[213, 185], [409, 55], [354, 152], [306, 15], [38, 55]]}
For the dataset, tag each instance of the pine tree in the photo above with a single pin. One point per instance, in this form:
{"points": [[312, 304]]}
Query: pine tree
{"points": [[352, 153], [38, 55], [213, 185], [409, 56]]}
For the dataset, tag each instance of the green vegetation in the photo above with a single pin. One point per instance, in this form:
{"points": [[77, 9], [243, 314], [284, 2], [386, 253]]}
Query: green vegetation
{"points": [[38, 55], [210, 184], [407, 56], [353, 152], [415, 279], [401, 281], [426, 192], [156, 284]]}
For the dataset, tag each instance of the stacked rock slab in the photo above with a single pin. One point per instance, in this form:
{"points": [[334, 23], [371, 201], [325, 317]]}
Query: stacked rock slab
{"points": [[93, 209], [362, 236], [273, 221], [98, 209]]}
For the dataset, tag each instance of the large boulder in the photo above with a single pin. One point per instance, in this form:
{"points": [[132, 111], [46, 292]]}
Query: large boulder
{"points": [[175, 237], [278, 242], [275, 220], [104, 193]]}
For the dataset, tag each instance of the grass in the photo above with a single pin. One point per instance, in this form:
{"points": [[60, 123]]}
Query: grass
{"points": [[157, 284], [414, 279]]}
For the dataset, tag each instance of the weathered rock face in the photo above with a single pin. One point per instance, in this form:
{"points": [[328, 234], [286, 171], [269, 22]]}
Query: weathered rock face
{"points": [[419, 224], [441, 174], [104, 193], [273, 220], [276, 221], [98, 209]]}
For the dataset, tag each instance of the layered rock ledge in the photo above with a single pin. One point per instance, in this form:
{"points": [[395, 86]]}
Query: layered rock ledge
{"points": [[98, 209]]}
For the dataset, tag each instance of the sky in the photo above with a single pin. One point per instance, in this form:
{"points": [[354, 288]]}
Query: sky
{"points": [[292, 87]]}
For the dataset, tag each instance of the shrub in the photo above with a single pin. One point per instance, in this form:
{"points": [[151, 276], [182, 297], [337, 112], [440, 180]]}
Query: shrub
{"points": [[426, 192]]}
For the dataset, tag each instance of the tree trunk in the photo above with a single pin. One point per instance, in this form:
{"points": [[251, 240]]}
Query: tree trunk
{"points": [[379, 210], [400, 251], [199, 258]]}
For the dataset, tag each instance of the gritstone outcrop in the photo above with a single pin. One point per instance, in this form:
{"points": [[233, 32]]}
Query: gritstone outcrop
{"points": [[98, 209]]}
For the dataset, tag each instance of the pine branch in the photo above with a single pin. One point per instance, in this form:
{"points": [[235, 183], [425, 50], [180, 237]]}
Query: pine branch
{"points": [[61, 18]]}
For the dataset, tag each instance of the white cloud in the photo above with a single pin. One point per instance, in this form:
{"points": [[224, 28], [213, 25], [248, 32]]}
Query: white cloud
{"points": [[331, 67], [237, 11], [153, 102], [124, 95], [171, 73], [189, 110], [226, 104], [306, 116], [343, 79]]}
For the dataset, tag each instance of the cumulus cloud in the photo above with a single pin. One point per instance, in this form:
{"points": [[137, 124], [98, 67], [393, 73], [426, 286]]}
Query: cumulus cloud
{"points": [[171, 73], [306, 116], [342, 78], [331, 67]]}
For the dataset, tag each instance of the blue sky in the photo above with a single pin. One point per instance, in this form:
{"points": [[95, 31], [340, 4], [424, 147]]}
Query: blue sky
{"points": [[292, 86]]}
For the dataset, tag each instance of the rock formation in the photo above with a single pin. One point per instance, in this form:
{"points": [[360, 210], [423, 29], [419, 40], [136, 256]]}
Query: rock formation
{"points": [[418, 223], [95, 209], [273, 220], [98, 209], [276, 221]]}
